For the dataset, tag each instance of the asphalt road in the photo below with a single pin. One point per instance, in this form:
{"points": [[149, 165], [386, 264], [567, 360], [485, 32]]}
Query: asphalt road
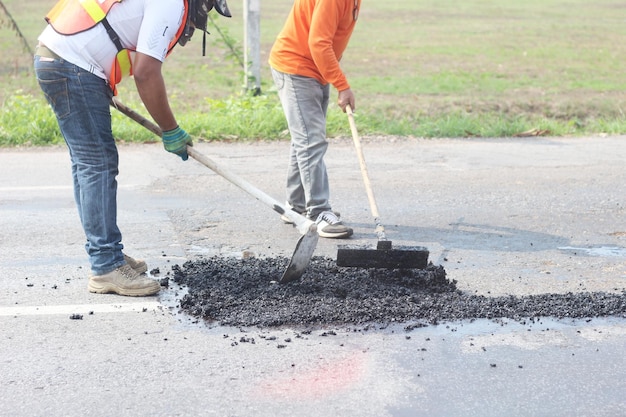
{"points": [[503, 216]]}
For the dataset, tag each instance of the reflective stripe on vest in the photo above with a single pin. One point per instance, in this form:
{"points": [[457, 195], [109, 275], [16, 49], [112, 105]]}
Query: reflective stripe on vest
{"points": [[122, 66], [94, 9], [69, 17]]}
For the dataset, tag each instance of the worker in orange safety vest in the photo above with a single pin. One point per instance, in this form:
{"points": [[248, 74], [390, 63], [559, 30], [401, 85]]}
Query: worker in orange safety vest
{"points": [[86, 48]]}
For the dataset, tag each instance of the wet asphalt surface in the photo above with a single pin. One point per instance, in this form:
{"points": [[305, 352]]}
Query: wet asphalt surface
{"points": [[520, 312]]}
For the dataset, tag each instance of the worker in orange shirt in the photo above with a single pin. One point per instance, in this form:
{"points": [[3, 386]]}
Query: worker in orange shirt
{"points": [[305, 62]]}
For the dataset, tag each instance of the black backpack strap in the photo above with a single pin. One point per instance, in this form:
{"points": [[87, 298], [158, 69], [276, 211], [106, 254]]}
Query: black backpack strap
{"points": [[112, 34]]}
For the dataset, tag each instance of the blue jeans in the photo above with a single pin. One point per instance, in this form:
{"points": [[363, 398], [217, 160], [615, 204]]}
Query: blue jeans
{"points": [[80, 101], [305, 102]]}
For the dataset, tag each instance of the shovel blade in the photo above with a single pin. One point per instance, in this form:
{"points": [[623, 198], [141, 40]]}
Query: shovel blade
{"points": [[301, 256]]}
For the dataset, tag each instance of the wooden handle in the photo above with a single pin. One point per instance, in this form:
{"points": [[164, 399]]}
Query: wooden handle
{"points": [[380, 229], [136, 117]]}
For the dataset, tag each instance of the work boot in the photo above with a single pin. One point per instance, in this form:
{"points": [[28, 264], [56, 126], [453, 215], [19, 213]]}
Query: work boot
{"points": [[329, 225], [123, 281], [139, 265]]}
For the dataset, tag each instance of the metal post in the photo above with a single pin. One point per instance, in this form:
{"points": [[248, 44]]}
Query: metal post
{"points": [[252, 45]]}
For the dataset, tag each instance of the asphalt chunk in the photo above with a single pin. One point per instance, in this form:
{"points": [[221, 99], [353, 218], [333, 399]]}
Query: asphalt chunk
{"points": [[244, 292]]}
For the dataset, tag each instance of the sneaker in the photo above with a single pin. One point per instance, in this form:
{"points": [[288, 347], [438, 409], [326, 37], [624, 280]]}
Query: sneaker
{"points": [[329, 225], [123, 281], [287, 220], [138, 265]]}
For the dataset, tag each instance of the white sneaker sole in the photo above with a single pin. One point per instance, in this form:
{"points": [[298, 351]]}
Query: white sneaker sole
{"points": [[336, 235]]}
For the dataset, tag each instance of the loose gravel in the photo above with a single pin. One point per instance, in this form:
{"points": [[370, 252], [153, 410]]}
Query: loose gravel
{"points": [[244, 292]]}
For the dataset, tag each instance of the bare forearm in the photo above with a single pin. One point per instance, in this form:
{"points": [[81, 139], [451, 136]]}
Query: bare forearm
{"points": [[151, 89]]}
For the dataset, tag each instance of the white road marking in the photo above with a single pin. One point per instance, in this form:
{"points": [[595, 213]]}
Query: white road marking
{"points": [[54, 188], [79, 309], [35, 188]]}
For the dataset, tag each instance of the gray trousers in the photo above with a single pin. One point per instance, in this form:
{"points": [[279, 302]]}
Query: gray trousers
{"points": [[305, 102]]}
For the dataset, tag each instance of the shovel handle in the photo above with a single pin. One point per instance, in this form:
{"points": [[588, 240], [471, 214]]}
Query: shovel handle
{"points": [[303, 224], [380, 229]]}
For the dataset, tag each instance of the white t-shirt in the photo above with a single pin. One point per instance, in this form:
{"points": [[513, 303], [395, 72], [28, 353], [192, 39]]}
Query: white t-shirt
{"points": [[147, 26]]}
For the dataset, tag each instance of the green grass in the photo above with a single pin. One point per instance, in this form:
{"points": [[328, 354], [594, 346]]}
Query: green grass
{"points": [[21, 116], [418, 68]]}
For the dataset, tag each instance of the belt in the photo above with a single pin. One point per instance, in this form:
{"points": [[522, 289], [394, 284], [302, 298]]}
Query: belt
{"points": [[43, 51]]}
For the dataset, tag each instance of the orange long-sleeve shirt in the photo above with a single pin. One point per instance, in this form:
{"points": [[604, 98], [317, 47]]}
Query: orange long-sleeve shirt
{"points": [[313, 40]]}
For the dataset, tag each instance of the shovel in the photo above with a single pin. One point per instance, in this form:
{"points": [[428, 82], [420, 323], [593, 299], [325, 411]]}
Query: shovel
{"points": [[307, 228]]}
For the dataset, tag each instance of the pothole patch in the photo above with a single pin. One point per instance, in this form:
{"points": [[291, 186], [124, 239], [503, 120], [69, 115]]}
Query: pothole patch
{"points": [[243, 292]]}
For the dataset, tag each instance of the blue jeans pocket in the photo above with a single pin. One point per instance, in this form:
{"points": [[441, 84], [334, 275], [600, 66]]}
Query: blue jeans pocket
{"points": [[56, 93]]}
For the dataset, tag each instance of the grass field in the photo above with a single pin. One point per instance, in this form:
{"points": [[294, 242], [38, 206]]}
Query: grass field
{"points": [[418, 67]]}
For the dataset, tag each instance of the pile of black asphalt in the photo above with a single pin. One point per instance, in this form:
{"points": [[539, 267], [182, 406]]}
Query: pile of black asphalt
{"points": [[244, 292]]}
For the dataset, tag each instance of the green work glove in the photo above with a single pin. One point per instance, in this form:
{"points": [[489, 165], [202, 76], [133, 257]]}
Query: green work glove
{"points": [[176, 141]]}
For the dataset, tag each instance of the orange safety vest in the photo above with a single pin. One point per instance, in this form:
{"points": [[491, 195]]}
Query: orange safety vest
{"points": [[69, 17]]}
